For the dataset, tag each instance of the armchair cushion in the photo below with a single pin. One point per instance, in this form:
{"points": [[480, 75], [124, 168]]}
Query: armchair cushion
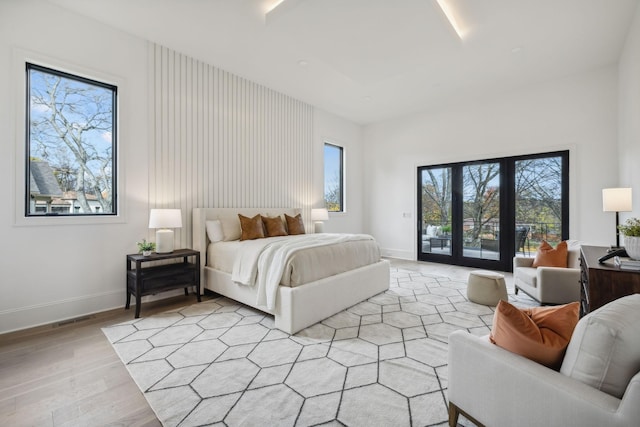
{"points": [[548, 256], [539, 333], [604, 351]]}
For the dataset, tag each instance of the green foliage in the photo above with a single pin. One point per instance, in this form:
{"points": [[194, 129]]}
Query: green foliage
{"points": [[145, 246], [631, 227]]}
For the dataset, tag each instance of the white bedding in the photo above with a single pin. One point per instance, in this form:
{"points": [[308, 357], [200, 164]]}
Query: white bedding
{"points": [[290, 260]]}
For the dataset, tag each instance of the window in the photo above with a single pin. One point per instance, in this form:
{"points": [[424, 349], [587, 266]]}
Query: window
{"points": [[70, 144], [333, 178], [483, 213]]}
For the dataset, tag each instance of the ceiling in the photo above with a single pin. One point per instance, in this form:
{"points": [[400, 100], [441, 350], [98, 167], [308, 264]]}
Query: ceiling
{"points": [[371, 60]]}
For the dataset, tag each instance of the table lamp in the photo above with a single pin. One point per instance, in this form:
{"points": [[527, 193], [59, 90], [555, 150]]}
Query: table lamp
{"points": [[617, 200], [318, 216], [164, 220]]}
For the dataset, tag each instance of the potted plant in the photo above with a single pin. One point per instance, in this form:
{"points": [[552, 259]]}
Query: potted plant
{"points": [[145, 248], [631, 231]]}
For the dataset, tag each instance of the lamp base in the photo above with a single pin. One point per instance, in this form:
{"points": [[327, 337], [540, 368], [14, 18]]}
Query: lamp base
{"points": [[318, 227], [164, 241]]}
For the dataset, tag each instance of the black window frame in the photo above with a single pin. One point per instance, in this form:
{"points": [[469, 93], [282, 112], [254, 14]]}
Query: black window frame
{"points": [[507, 208], [114, 142]]}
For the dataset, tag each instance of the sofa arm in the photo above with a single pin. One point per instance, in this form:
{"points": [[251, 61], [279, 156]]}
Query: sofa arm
{"points": [[558, 284], [520, 261], [500, 388]]}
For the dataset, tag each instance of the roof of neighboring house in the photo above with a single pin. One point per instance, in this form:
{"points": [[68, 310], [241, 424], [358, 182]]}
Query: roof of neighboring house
{"points": [[73, 195], [45, 181]]}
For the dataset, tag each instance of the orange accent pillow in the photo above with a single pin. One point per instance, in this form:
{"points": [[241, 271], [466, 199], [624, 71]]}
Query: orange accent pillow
{"points": [[541, 334], [294, 224], [547, 256], [274, 226], [252, 228]]}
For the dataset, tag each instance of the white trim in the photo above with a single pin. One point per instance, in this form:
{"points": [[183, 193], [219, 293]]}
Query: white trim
{"points": [[19, 58]]}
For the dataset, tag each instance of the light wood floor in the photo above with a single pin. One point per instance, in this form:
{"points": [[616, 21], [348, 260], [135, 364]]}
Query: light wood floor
{"points": [[69, 375]]}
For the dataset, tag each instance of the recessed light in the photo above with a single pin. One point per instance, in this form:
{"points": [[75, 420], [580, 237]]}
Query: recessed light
{"points": [[303, 63]]}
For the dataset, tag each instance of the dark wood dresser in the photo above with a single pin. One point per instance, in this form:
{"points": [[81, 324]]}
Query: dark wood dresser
{"points": [[603, 283]]}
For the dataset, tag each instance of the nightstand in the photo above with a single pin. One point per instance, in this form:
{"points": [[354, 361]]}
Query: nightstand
{"points": [[159, 278]]}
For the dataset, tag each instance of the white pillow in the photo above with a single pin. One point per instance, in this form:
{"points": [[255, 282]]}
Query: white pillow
{"points": [[604, 351], [214, 231]]}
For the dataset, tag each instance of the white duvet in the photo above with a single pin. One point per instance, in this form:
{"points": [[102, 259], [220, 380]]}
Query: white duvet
{"points": [[262, 262]]}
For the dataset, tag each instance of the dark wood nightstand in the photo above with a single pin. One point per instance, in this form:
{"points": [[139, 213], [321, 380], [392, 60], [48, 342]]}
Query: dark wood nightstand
{"points": [[158, 278]]}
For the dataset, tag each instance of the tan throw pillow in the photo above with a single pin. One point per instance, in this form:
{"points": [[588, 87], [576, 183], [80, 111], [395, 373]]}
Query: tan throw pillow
{"points": [[274, 226], [540, 333], [547, 256], [295, 224], [251, 228]]}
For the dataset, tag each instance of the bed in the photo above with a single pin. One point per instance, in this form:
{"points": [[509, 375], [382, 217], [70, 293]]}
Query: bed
{"points": [[300, 299]]}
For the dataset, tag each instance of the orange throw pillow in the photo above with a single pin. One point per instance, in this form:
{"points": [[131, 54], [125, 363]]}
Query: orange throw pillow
{"points": [[295, 224], [541, 334], [274, 226], [252, 228], [547, 256]]}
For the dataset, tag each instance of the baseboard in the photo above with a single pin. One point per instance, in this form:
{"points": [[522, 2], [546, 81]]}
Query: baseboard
{"points": [[398, 254], [16, 319]]}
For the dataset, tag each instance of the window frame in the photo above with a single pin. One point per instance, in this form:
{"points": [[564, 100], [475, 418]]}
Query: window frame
{"points": [[17, 130], [342, 175], [29, 66], [507, 208]]}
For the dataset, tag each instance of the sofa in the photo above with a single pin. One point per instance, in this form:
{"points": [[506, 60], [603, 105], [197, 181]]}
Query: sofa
{"points": [[598, 383]]}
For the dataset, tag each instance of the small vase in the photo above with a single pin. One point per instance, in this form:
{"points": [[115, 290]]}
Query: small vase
{"points": [[146, 253], [632, 245]]}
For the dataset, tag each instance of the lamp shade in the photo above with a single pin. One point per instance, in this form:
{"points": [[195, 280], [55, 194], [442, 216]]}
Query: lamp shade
{"points": [[320, 214], [165, 218], [616, 200]]}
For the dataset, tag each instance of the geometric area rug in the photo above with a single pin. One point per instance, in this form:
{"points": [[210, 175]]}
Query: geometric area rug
{"points": [[382, 362]]}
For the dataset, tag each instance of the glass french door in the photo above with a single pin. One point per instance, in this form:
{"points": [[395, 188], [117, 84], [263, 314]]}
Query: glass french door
{"points": [[482, 213]]}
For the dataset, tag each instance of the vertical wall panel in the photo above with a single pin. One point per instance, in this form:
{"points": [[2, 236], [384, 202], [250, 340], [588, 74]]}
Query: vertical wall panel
{"points": [[219, 140]]}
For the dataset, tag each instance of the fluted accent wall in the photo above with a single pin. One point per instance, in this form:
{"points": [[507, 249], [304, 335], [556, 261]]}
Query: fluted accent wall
{"points": [[218, 140]]}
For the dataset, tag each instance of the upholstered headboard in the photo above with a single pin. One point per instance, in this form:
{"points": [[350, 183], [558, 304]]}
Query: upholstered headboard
{"points": [[230, 222]]}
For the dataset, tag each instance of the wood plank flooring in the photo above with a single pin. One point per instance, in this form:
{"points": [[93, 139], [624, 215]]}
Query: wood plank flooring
{"points": [[69, 375]]}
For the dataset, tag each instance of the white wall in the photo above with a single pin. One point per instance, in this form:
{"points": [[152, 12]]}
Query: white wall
{"points": [[578, 113], [336, 130], [629, 122], [260, 150], [218, 140], [53, 272]]}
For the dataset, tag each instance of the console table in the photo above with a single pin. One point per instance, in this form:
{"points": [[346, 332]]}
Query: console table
{"points": [[158, 278], [603, 283]]}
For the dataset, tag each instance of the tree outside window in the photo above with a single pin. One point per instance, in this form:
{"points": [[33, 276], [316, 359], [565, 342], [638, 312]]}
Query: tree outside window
{"points": [[71, 144]]}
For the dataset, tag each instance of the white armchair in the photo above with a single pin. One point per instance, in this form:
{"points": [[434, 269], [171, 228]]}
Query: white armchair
{"points": [[494, 387], [549, 285]]}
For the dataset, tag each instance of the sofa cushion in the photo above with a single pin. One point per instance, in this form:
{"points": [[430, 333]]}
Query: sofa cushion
{"points": [[548, 256], [539, 333], [604, 351]]}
